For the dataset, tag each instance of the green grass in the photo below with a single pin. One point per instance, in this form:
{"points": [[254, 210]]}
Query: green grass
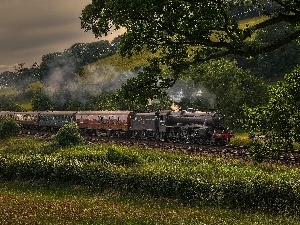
{"points": [[38, 203], [9, 91], [100, 183], [252, 21], [123, 64], [26, 105], [241, 139]]}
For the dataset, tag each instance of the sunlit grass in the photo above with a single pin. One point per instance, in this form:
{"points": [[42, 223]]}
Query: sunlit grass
{"points": [[8, 91], [37, 203], [26, 105], [240, 138], [123, 63], [252, 21]]}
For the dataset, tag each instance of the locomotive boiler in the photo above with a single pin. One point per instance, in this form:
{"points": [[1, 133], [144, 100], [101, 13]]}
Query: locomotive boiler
{"points": [[188, 126]]}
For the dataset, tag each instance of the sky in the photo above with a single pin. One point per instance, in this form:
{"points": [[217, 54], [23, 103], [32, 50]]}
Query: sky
{"points": [[30, 29]]}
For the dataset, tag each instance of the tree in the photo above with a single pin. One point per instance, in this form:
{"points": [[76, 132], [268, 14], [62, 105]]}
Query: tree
{"points": [[41, 102], [188, 31], [277, 63], [278, 120], [7, 104], [232, 87], [148, 85]]}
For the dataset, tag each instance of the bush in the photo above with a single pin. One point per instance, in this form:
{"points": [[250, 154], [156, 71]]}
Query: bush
{"points": [[123, 158], [203, 181], [68, 135], [9, 127]]}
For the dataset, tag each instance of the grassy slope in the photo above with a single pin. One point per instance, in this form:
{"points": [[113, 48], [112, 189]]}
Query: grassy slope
{"points": [[122, 63]]}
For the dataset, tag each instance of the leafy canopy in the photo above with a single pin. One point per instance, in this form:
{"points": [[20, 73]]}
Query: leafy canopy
{"points": [[188, 31], [232, 87], [279, 119]]}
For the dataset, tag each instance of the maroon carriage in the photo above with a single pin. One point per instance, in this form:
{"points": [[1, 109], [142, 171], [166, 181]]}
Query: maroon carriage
{"points": [[104, 122]]}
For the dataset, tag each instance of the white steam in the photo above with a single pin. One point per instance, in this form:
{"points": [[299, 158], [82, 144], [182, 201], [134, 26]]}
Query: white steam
{"points": [[189, 90], [98, 79], [64, 84]]}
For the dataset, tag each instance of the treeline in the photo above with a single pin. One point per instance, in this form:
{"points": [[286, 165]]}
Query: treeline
{"points": [[25, 83], [69, 63]]}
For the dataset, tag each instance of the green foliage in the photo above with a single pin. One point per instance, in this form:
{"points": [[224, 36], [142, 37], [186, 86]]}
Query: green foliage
{"points": [[124, 158], [7, 104], [41, 102], [74, 58], [232, 87], [33, 88], [8, 127], [198, 180], [68, 134], [184, 32], [278, 120], [148, 84]]}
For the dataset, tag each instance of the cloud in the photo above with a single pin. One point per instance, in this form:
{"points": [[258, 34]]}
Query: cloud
{"points": [[32, 28]]}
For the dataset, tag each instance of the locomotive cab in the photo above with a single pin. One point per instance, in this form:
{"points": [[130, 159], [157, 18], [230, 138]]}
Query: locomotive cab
{"points": [[217, 119]]}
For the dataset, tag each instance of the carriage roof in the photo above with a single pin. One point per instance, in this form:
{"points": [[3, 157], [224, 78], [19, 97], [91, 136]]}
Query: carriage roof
{"points": [[103, 112]]}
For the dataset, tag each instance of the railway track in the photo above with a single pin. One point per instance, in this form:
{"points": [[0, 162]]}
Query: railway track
{"points": [[291, 158]]}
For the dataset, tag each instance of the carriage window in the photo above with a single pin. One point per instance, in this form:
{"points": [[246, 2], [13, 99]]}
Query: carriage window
{"points": [[104, 120]]}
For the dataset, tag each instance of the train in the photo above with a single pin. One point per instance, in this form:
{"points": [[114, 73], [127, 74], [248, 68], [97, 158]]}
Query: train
{"points": [[185, 126]]}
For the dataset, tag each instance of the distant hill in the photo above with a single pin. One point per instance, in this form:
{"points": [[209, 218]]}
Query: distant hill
{"points": [[122, 64]]}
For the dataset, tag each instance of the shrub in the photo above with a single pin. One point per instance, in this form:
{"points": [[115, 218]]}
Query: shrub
{"points": [[8, 127], [68, 135], [123, 158]]}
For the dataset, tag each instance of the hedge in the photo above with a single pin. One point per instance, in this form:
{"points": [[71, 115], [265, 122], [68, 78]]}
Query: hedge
{"points": [[272, 193]]}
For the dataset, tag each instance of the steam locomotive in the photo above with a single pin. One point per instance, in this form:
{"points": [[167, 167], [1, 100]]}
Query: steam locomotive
{"points": [[187, 126]]}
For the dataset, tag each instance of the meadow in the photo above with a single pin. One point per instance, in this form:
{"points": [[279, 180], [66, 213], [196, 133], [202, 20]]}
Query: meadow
{"points": [[40, 203], [98, 183]]}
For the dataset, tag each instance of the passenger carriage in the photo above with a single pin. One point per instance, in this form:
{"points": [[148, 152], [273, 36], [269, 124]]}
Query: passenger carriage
{"points": [[111, 123]]}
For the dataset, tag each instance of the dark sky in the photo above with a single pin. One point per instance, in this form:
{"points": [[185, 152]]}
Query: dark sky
{"points": [[30, 29]]}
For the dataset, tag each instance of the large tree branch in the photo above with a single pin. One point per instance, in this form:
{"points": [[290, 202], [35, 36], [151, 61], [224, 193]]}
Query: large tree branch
{"points": [[251, 50], [275, 20], [254, 51]]}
